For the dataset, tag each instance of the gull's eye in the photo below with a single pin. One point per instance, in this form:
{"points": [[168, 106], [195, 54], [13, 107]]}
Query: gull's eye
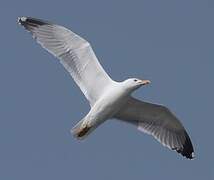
{"points": [[135, 80]]}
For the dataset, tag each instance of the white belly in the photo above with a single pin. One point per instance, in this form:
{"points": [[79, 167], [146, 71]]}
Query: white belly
{"points": [[109, 104]]}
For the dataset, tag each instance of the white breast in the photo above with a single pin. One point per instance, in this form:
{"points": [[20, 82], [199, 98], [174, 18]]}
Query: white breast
{"points": [[109, 104]]}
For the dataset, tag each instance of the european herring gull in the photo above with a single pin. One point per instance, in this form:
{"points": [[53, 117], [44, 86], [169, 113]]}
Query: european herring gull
{"points": [[108, 98]]}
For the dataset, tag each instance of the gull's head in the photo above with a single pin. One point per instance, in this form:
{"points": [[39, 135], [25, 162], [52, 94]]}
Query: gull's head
{"points": [[135, 83]]}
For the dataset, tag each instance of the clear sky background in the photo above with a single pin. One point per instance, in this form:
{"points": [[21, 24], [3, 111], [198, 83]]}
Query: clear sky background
{"points": [[169, 42]]}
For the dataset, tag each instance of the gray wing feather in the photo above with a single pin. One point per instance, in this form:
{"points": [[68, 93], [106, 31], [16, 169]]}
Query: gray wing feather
{"points": [[159, 122], [75, 54]]}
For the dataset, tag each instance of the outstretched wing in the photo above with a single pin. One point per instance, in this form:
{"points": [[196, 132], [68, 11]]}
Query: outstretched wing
{"points": [[158, 121], [74, 53]]}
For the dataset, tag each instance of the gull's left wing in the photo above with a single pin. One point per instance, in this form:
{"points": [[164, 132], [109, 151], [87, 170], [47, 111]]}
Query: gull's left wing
{"points": [[158, 121], [75, 54]]}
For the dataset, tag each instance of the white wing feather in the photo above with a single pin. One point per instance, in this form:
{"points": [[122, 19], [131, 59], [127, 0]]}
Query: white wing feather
{"points": [[159, 122], [75, 54]]}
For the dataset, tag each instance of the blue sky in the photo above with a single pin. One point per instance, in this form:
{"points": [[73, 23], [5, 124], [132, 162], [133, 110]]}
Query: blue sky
{"points": [[169, 42]]}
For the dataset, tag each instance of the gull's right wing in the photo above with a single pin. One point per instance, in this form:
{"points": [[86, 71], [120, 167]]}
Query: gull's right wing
{"points": [[74, 52], [158, 121]]}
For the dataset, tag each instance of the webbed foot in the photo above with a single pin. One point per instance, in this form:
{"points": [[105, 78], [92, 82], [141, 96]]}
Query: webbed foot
{"points": [[83, 131]]}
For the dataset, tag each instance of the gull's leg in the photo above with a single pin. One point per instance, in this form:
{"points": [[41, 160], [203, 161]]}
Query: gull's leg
{"points": [[96, 116], [83, 130]]}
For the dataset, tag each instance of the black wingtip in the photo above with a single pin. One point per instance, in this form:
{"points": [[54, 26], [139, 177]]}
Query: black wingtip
{"points": [[21, 20], [28, 21], [187, 150]]}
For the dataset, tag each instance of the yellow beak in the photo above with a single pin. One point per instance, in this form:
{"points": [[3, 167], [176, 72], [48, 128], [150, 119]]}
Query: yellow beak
{"points": [[145, 82]]}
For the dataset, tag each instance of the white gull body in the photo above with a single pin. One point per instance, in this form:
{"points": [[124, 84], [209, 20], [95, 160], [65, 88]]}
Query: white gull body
{"points": [[108, 98]]}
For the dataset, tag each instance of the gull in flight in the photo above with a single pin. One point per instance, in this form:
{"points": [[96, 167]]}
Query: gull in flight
{"points": [[108, 98]]}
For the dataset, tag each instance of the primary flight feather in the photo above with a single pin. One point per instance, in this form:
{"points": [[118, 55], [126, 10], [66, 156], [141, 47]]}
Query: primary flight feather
{"points": [[107, 98]]}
